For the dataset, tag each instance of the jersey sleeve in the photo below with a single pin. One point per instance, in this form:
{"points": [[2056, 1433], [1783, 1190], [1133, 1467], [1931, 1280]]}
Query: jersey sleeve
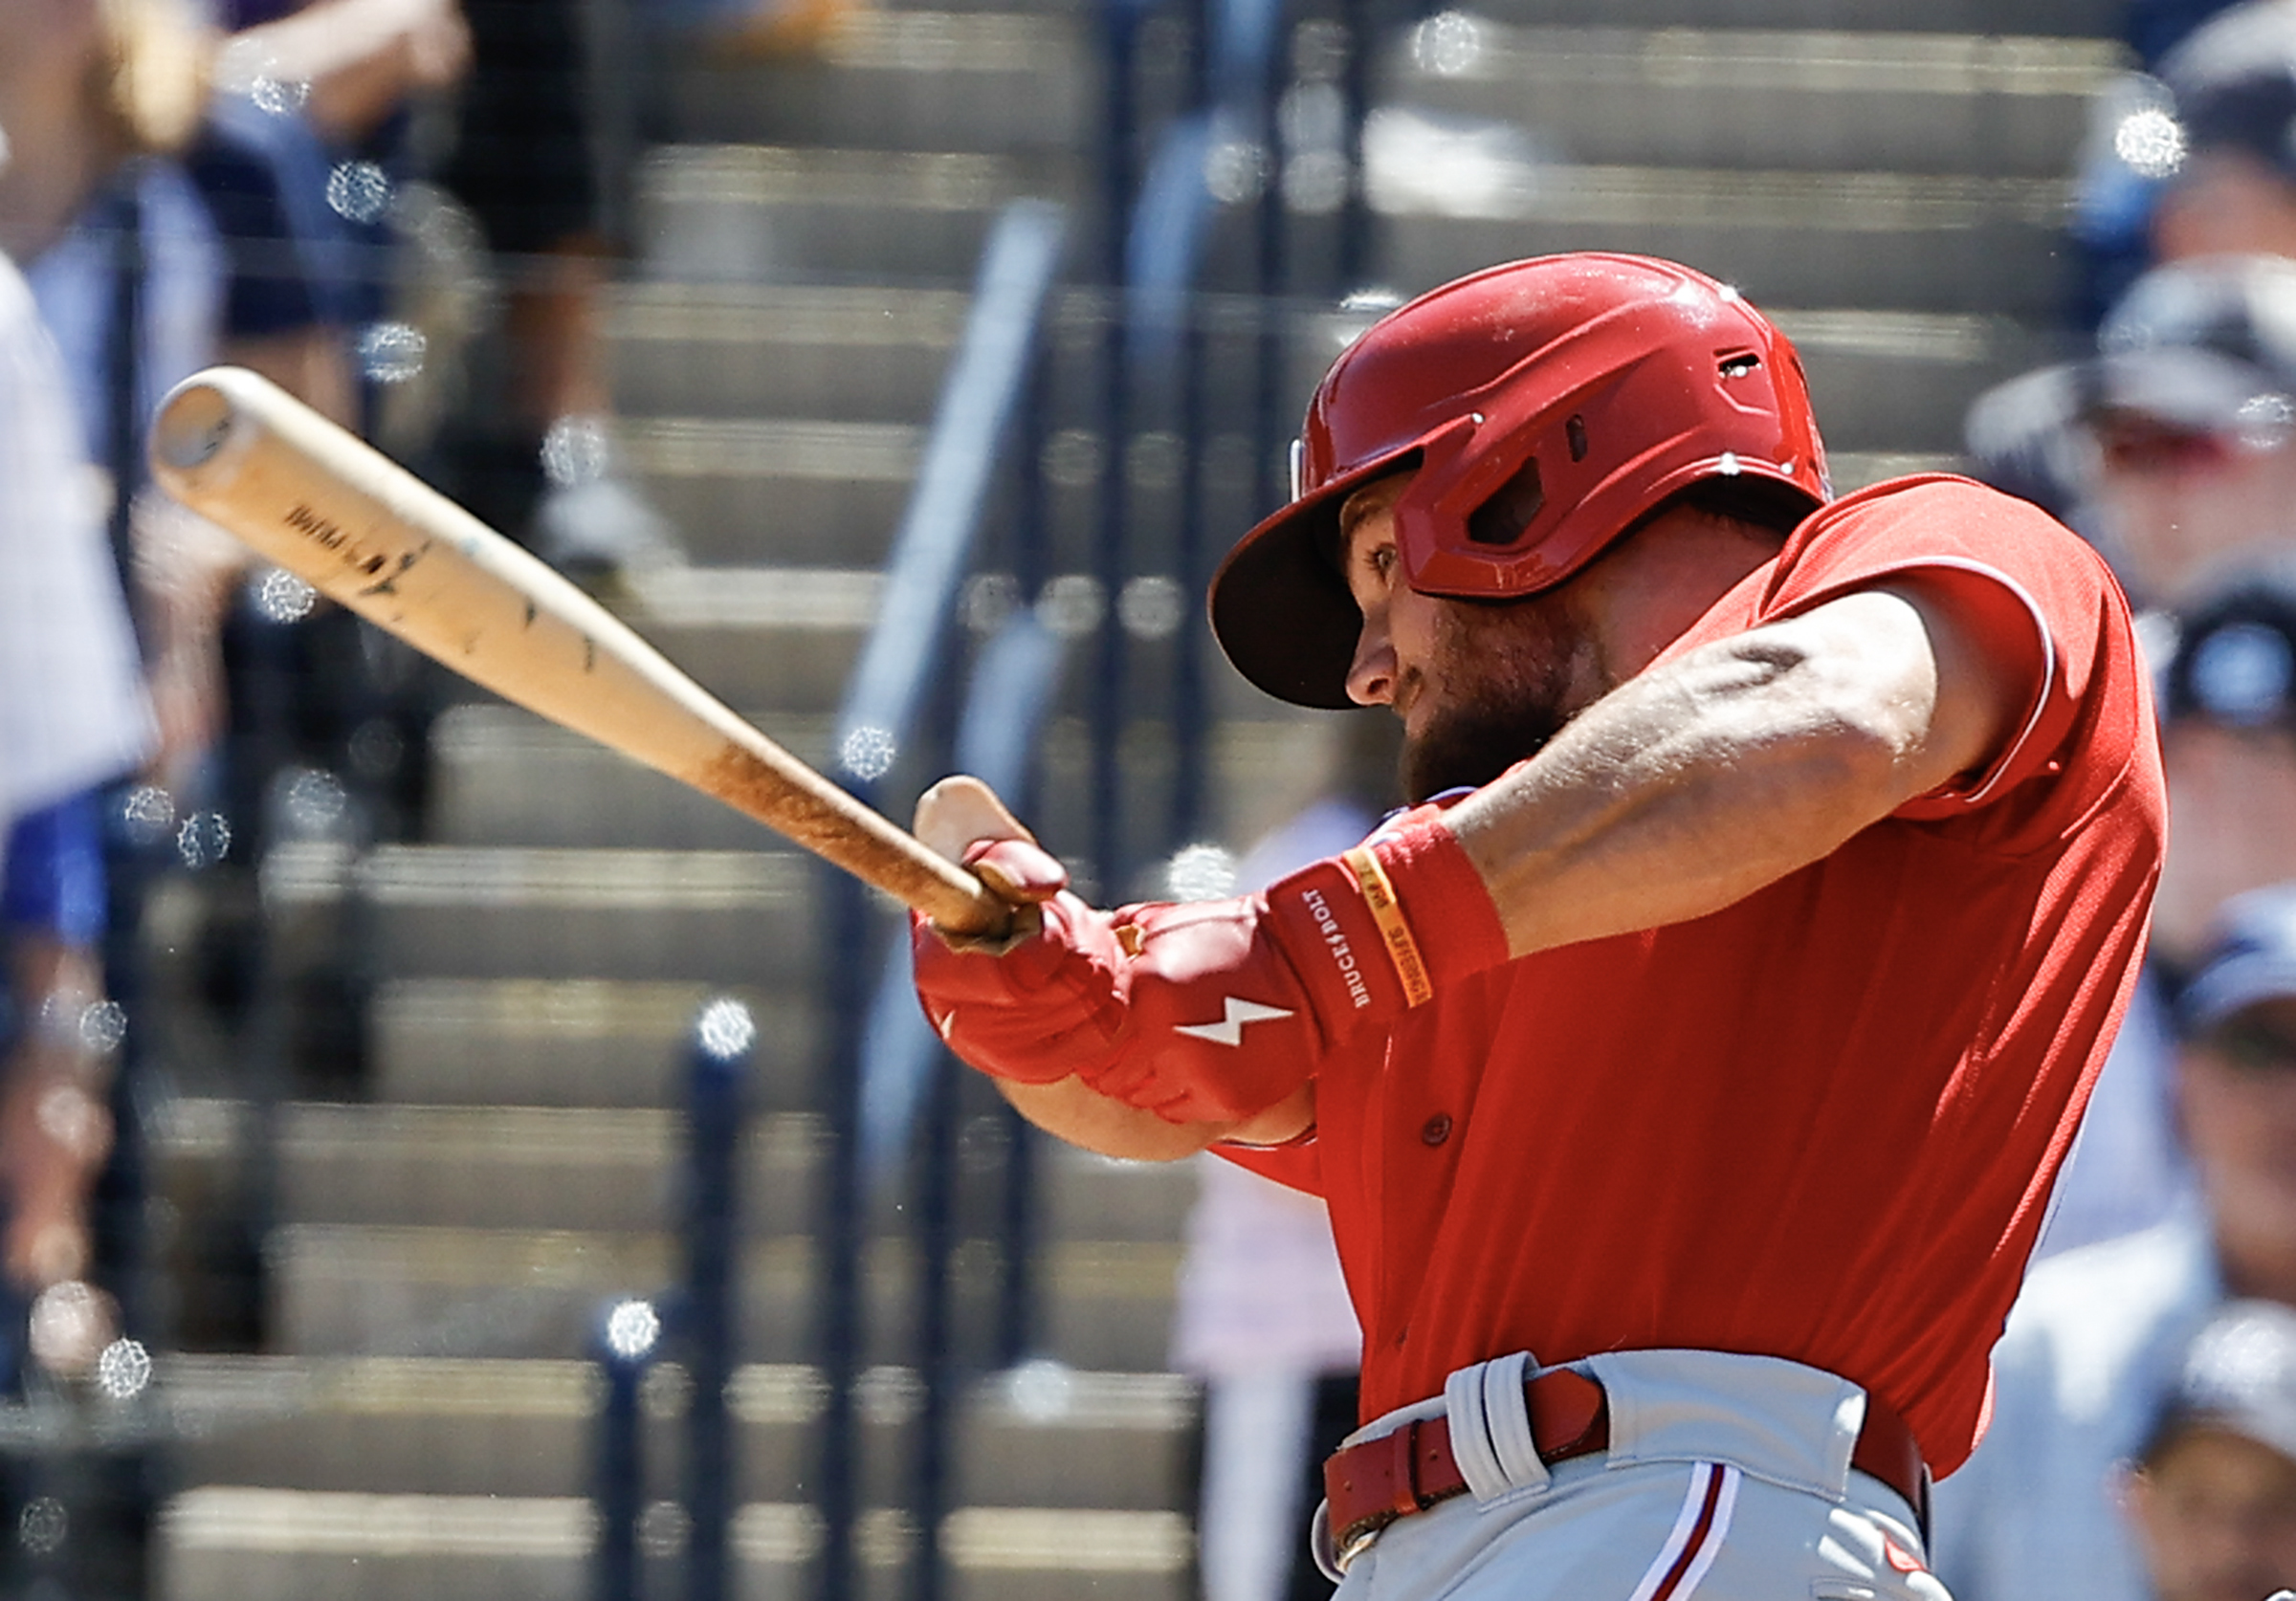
{"points": [[2038, 592]]}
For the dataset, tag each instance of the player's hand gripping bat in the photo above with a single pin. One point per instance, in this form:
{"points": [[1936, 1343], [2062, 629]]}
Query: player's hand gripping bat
{"points": [[366, 533]]}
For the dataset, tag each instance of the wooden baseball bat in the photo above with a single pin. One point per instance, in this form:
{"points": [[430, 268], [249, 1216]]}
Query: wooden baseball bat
{"points": [[366, 533]]}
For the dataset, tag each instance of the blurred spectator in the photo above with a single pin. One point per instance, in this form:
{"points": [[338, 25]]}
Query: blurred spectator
{"points": [[2190, 407], [531, 449], [2228, 741], [2211, 1492], [2095, 1343], [128, 273], [289, 306], [1263, 1314], [539, 452], [93, 92], [72, 715], [2190, 156], [2170, 448], [2233, 82], [352, 64], [2227, 700], [2153, 27], [1265, 1318]]}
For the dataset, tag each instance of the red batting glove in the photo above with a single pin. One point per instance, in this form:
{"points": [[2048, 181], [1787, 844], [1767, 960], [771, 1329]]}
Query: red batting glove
{"points": [[1210, 1010]]}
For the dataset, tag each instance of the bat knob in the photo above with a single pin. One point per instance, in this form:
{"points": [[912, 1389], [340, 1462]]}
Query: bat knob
{"points": [[192, 426]]}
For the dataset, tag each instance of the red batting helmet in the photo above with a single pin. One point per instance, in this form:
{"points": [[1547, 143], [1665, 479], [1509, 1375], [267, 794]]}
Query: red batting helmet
{"points": [[1547, 403]]}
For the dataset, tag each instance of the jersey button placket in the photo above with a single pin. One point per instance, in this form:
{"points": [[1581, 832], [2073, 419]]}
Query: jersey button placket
{"points": [[1435, 1129]]}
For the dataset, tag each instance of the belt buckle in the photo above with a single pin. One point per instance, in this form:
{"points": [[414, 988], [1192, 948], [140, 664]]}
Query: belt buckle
{"points": [[1356, 1541], [1391, 1461]]}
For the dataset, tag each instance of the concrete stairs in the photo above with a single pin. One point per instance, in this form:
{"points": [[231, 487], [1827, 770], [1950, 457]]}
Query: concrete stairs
{"points": [[1890, 182]]}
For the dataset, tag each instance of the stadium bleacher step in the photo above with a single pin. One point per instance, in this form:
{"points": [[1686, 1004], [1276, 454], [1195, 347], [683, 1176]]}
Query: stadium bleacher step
{"points": [[1830, 100], [2071, 18], [1045, 1436], [749, 351], [348, 1289], [772, 213], [595, 1043], [743, 492], [1889, 382], [785, 637], [1904, 241], [504, 777], [451, 911], [229, 1542], [614, 1169], [908, 80]]}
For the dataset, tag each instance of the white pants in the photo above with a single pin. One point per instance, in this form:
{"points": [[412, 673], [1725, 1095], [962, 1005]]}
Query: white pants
{"points": [[1728, 1479]]}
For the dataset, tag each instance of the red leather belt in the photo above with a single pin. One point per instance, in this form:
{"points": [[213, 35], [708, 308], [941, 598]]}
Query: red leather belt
{"points": [[1371, 1485]]}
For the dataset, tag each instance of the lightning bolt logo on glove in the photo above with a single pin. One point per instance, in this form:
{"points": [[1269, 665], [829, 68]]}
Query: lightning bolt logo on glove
{"points": [[1148, 1003], [1230, 1029]]}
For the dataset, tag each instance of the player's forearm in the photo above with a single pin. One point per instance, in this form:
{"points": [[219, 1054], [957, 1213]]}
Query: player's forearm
{"points": [[1706, 779], [1073, 1111]]}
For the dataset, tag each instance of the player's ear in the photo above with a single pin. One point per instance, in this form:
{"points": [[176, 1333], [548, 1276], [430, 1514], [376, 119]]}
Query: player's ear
{"points": [[961, 811]]}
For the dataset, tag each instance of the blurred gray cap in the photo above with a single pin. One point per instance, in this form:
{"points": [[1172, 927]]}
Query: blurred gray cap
{"points": [[2251, 959], [2207, 344], [2239, 1376]]}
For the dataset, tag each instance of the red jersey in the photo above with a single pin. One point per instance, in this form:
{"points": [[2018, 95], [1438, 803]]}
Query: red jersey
{"points": [[1819, 1123]]}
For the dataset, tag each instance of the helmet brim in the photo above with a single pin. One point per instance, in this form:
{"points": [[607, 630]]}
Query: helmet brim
{"points": [[1280, 606]]}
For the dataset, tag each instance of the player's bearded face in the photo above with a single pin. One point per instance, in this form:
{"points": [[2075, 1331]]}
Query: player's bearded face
{"points": [[1498, 682]]}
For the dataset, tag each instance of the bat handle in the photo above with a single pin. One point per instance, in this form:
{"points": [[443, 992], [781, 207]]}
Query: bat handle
{"points": [[959, 903]]}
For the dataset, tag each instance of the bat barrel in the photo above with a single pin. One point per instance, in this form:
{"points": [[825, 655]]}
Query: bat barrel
{"points": [[365, 532]]}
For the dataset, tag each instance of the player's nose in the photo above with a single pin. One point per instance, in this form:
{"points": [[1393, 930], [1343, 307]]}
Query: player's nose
{"points": [[1371, 675]]}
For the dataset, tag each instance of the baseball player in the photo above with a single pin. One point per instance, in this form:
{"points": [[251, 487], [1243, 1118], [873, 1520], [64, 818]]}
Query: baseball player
{"points": [[1687, 1072]]}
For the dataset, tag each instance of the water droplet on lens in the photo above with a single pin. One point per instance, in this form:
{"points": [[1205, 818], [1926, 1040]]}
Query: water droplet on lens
{"points": [[280, 597], [632, 1327], [391, 351], [279, 95], [148, 813], [359, 190], [576, 451], [124, 1370], [103, 1026], [726, 1029], [867, 751], [2151, 142], [43, 1525], [204, 839]]}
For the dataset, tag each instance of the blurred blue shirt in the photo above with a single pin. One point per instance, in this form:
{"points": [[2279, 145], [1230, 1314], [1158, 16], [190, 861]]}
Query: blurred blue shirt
{"points": [[2092, 1351]]}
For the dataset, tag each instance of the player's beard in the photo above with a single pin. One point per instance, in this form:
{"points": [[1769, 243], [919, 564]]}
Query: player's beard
{"points": [[1507, 679]]}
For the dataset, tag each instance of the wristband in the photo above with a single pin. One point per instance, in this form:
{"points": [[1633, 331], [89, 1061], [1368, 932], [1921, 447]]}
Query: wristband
{"points": [[1378, 898], [1380, 930], [1440, 899]]}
